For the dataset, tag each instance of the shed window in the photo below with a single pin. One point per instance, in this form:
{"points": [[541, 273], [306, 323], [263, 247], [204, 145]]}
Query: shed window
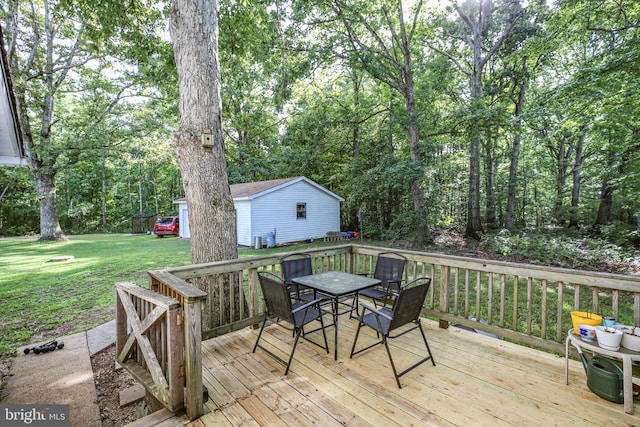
{"points": [[301, 210]]}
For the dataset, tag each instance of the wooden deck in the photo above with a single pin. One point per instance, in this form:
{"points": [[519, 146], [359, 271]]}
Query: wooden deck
{"points": [[477, 381]]}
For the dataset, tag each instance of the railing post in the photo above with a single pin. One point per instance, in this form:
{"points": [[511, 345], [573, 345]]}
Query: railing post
{"points": [[193, 356], [254, 309], [444, 288]]}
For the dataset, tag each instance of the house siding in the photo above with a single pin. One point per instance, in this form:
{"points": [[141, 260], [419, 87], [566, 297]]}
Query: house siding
{"points": [[277, 210], [183, 216], [274, 209], [243, 221]]}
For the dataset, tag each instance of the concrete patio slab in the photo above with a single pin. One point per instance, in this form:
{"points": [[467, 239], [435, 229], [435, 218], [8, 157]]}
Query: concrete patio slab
{"points": [[61, 377]]}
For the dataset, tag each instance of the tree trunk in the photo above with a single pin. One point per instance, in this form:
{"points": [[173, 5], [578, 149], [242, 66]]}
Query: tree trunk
{"points": [[199, 144], [414, 136], [399, 77], [41, 158], [49, 222], [103, 167], [416, 157], [562, 154], [606, 203], [490, 184], [474, 222], [577, 177], [475, 17], [474, 219], [44, 175], [515, 150]]}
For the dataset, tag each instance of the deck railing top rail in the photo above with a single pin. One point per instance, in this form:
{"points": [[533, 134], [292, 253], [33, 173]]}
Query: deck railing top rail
{"points": [[555, 274]]}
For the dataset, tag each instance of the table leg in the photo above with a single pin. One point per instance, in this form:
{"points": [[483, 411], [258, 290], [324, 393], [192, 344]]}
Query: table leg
{"points": [[335, 322], [566, 360], [627, 384]]}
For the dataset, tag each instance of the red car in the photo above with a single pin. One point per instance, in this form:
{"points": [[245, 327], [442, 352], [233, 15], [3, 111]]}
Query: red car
{"points": [[167, 225]]}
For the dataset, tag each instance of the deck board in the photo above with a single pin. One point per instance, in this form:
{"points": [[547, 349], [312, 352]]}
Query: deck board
{"points": [[477, 380]]}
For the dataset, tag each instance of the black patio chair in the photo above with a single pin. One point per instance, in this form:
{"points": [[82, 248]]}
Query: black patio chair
{"points": [[406, 309], [296, 265], [278, 304], [389, 269]]}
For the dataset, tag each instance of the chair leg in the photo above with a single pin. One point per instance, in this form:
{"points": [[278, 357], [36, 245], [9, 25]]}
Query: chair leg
{"points": [[293, 350], [418, 363], [424, 338], [324, 332], [355, 340], [393, 365], [259, 335], [355, 304]]}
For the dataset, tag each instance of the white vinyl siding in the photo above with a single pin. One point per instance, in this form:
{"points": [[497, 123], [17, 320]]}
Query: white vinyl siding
{"points": [[276, 209], [243, 221], [183, 215]]}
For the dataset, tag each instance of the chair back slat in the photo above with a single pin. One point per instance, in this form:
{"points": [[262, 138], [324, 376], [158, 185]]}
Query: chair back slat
{"points": [[277, 300], [295, 265], [389, 268], [409, 304]]}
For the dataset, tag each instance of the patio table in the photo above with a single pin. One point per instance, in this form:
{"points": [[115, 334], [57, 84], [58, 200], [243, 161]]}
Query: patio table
{"points": [[336, 284]]}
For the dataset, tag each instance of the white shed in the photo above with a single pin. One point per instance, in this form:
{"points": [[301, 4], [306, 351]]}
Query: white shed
{"points": [[294, 209]]}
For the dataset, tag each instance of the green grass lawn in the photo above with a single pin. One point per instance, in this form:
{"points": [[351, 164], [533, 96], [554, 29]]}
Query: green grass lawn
{"points": [[43, 299]]}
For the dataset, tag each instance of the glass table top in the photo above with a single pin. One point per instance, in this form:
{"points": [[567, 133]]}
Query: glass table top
{"points": [[336, 283]]}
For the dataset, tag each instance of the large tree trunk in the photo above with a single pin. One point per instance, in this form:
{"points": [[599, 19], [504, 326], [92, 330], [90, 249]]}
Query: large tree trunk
{"points": [[44, 174], [562, 153], [577, 177], [199, 145], [475, 16], [416, 157], [490, 183], [399, 77], [606, 203], [41, 156], [474, 219], [515, 151], [49, 222], [474, 223], [414, 136]]}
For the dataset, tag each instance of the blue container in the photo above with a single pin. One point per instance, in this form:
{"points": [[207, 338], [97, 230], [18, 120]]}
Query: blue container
{"points": [[271, 240]]}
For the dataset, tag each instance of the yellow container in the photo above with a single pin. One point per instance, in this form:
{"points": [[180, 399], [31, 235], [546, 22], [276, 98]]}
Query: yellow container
{"points": [[584, 318]]}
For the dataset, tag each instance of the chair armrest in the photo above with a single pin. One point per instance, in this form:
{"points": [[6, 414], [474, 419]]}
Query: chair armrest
{"points": [[308, 304], [377, 312]]}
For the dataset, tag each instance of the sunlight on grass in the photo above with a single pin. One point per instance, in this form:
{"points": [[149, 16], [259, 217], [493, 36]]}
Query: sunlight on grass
{"points": [[42, 299]]}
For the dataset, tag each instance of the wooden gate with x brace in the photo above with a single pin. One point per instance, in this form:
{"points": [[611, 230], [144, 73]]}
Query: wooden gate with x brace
{"points": [[149, 342]]}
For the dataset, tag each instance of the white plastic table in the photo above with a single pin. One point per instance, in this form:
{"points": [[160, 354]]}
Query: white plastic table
{"points": [[627, 357]]}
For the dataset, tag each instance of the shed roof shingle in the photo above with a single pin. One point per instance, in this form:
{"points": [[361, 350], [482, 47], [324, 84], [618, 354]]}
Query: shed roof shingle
{"points": [[250, 188]]}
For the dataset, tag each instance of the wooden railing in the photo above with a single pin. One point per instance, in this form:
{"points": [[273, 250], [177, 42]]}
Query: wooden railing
{"points": [[150, 341], [523, 303], [527, 304]]}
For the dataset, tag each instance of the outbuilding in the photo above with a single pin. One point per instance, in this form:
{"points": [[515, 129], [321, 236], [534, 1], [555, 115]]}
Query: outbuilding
{"points": [[279, 211]]}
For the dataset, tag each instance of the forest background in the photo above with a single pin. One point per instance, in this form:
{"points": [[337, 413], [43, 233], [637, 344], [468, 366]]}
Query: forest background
{"points": [[476, 116]]}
